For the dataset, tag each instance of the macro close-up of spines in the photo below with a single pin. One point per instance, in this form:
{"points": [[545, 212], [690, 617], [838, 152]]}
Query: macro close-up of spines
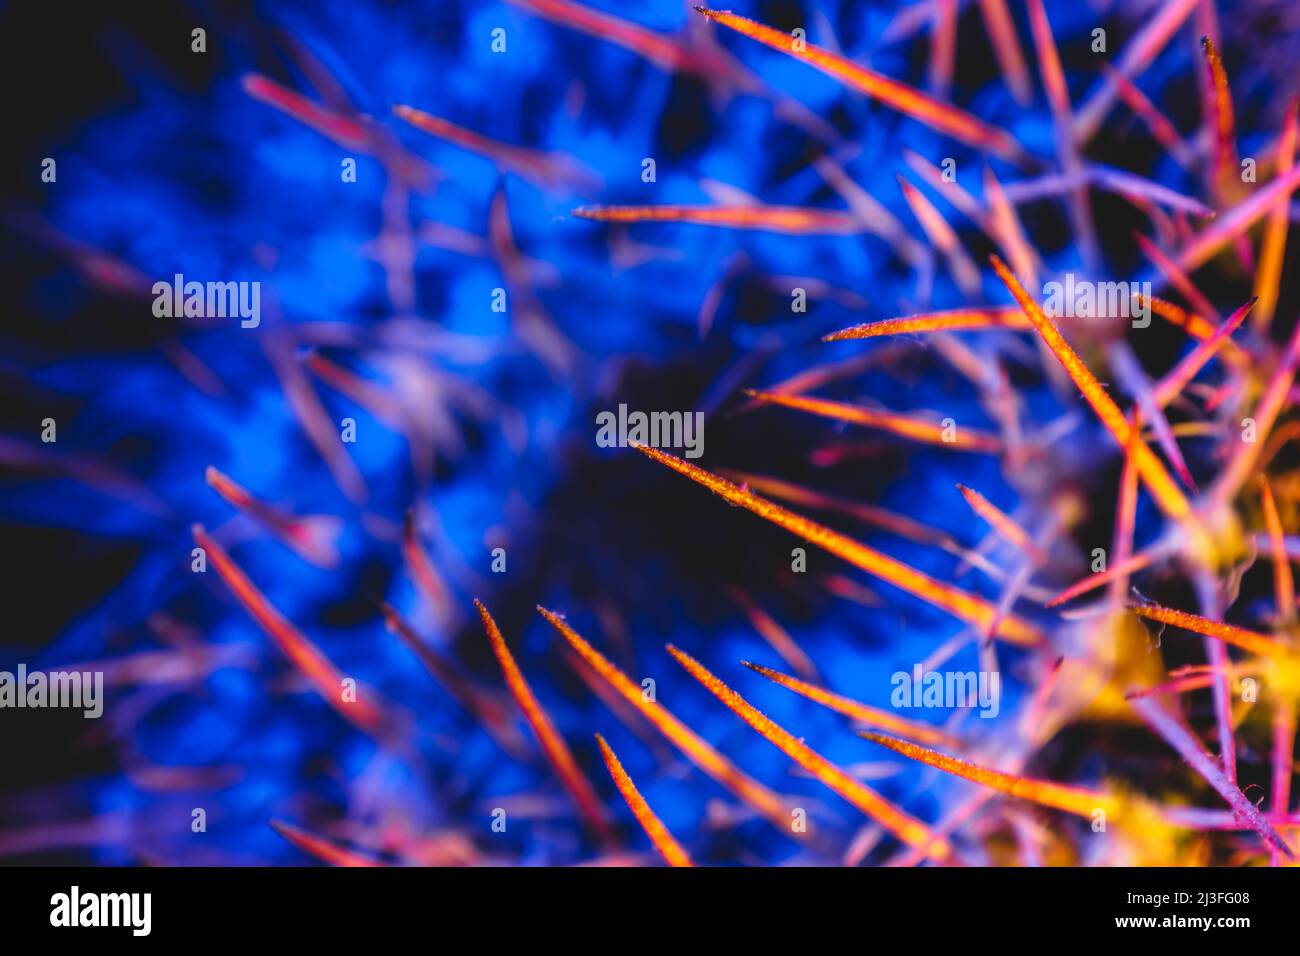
{"points": [[547, 433]]}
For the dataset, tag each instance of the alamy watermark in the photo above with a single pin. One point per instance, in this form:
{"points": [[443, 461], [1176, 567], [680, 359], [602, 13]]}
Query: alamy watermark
{"points": [[208, 300], [1084, 299], [922, 688], [683, 430], [133, 911], [80, 690]]}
